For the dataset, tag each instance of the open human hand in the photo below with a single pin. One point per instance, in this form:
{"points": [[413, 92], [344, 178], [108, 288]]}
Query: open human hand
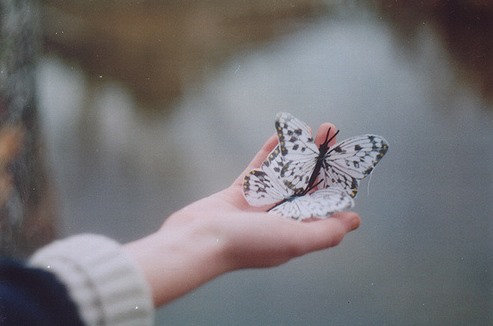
{"points": [[222, 233]]}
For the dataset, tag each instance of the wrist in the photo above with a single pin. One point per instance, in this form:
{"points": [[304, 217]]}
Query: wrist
{"points": [[176, 260]]}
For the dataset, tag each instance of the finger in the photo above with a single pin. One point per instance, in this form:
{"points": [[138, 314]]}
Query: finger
{"points": [[273, 240], [259, 157], [325, 233], [322, 133]]}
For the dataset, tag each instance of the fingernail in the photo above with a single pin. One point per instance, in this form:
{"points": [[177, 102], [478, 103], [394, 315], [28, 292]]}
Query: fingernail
{"points": [[355, 222]]}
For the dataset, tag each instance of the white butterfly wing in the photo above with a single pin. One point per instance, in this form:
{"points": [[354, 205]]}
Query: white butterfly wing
{"points": [[265, 186], [351, 160], [297, 149], [321, 203], [287, 169]]}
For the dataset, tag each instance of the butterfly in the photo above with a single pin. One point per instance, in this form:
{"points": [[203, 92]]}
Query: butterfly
{"points": [[275, 183], [305, 180], [344, 164]]}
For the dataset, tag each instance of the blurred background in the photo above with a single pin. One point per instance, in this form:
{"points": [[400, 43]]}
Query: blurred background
{"points": [[146, 106]]}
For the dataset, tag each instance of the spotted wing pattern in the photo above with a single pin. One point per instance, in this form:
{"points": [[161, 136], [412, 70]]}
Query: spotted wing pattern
{"points": [[321, 204], [287, 169], [297, 148], [351, 160], [266, 186]]}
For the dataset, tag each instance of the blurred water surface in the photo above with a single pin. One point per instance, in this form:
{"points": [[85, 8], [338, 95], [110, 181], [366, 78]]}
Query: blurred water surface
{"points": [[423, 253]]}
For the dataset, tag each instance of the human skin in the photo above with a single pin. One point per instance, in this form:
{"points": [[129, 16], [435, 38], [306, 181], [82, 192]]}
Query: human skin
{"points": [[222, 233]]}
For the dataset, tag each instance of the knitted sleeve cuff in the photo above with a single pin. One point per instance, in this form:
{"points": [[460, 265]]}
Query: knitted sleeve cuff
{"points": [[105, 283]]}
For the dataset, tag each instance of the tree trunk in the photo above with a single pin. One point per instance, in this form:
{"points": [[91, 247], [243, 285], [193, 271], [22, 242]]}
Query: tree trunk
{"points": [[27, 212]]}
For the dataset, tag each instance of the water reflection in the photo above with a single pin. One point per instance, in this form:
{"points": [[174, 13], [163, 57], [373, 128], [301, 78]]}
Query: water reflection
{"points": [[156, 48], [423, 253], [464, 29]]}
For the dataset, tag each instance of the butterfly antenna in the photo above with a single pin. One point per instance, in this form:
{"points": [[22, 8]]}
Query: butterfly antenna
{"points": [[334, 136], [327, 140]]}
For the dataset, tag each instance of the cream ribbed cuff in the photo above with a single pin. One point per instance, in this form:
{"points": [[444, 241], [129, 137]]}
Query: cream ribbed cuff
{"points": [[106, 284]]}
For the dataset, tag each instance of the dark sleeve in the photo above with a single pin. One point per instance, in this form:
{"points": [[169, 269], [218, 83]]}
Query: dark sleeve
{"points": [[32, 296]]}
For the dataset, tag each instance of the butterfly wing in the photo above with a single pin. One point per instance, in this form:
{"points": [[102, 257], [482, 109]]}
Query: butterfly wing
{"points": [[351, 160], [321, 203], [287, 169], [298, 150], [265, 186]]}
